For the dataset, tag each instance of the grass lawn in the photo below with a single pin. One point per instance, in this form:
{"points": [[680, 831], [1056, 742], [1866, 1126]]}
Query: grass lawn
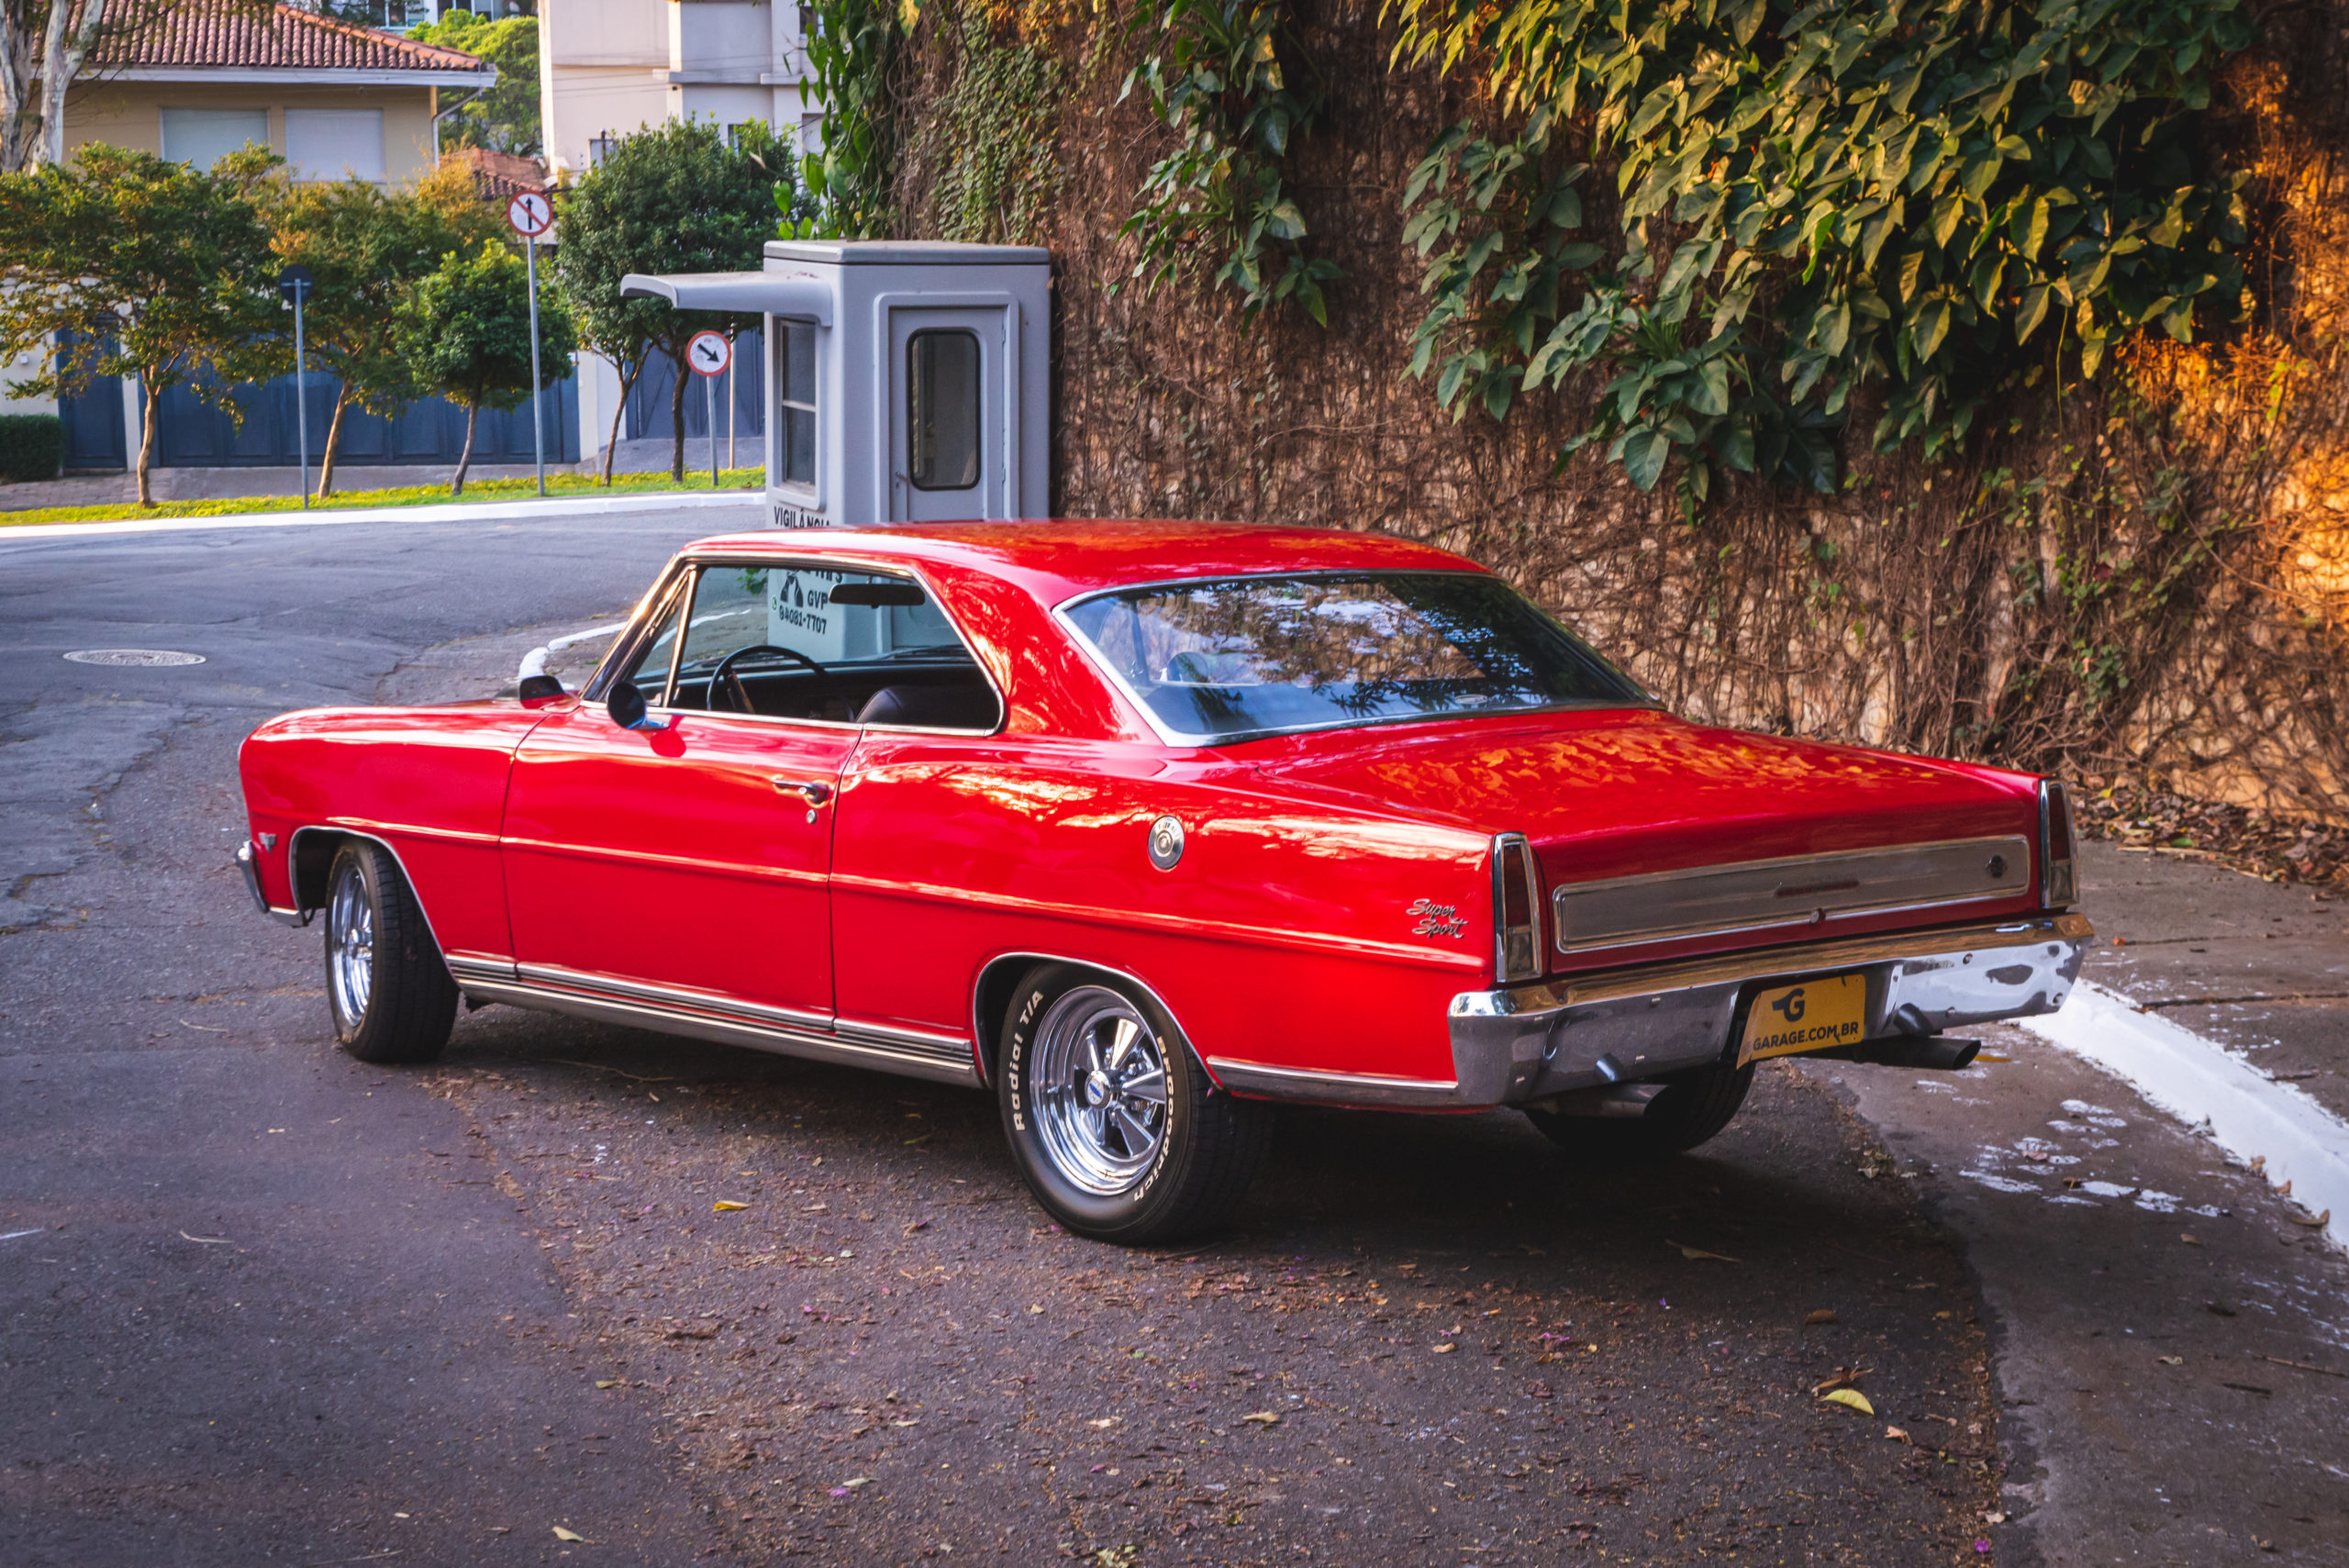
{"points": [[406, 495]]}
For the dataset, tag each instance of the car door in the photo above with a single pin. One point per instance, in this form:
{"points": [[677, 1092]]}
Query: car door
{"points": [[686, 865]]}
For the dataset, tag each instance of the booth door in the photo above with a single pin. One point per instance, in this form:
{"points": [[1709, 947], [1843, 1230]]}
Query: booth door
{"points": [[949, 418]]}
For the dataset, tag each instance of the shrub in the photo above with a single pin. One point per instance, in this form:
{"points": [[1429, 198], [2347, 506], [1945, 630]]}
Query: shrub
{"points": [[32, 446]]}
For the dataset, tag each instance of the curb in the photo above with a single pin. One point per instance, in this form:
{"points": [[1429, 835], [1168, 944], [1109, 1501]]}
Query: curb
{"points": [[2203, 1085], [453, 512]]}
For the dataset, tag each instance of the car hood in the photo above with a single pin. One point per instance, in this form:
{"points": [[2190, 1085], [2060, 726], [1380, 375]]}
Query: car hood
{"points": [[1619, 793]]}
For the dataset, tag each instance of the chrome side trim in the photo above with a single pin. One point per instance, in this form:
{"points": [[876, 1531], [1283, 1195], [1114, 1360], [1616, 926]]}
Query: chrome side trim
{"points": [[467, 968], [552, 976], [803, 1043], [1787, 893], [1534, 1040], [1334, 1088], [244, 857]]}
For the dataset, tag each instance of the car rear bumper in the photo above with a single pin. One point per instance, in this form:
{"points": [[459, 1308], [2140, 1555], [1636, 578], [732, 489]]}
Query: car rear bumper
{"points": [[1530, 1042]]}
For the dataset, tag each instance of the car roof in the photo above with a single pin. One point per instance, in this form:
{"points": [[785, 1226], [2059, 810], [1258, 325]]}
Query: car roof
{"points": [[1058, 559]]}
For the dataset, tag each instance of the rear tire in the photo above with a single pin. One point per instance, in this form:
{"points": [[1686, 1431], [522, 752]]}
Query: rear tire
{"points": [[387, 985], [1692, 1108], [1118, 1129]]}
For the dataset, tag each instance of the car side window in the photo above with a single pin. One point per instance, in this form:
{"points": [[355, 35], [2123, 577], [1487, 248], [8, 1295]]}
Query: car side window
{"points": [[650, 668], [768, 639]]}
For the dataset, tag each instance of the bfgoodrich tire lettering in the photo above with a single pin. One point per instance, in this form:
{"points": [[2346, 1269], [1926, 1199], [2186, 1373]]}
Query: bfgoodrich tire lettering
{"points": [[1120, 1134], [387, 985]]}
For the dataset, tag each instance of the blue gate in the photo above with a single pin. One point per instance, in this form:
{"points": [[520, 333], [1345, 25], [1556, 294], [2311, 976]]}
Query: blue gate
{"points": [[648, 400]]}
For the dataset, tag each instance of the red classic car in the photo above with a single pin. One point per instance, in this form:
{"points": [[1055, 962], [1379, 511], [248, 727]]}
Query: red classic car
{"points": [[1142, 826]]}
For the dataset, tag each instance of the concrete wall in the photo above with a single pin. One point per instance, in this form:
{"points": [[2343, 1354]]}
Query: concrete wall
{"points": [[130, 113]]}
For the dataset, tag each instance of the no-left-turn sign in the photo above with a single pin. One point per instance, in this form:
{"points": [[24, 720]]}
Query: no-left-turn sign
{"points": [[708, 354], [530, 213]]}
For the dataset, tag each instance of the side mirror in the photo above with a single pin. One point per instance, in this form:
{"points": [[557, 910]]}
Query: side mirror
{"points": [[534, 689], [626, 705]]}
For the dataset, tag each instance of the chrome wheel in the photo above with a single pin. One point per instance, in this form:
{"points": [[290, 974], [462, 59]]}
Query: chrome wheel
{"points": [[1098, 1083], [351, 944]]}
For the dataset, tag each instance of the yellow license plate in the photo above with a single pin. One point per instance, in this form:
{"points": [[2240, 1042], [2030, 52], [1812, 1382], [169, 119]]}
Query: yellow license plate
{"points": [[1814, 1016]]}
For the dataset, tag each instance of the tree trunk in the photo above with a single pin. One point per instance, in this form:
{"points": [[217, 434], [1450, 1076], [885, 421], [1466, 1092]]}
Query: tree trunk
{"points": [[62, 58], [628, 384], [334, 441], [19, 121], [677, 416], [465, 461], [147, 440]]}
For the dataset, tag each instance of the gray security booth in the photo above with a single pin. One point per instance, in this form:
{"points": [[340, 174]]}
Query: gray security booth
{"points": [[906, 381]]}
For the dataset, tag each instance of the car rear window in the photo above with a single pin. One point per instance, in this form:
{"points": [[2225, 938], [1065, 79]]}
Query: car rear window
{"points": [[1227, 658]]}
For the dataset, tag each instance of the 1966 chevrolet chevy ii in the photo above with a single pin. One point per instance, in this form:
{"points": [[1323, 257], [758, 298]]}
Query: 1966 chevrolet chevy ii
{"points": [[1144, 826]]}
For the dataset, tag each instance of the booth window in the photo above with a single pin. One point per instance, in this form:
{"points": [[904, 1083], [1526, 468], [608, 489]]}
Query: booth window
{"points": [[942, 408], [795, 373]]}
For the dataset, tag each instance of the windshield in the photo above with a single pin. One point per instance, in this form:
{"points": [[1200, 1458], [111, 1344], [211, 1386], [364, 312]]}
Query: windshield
{"points": [[1245, 656]]}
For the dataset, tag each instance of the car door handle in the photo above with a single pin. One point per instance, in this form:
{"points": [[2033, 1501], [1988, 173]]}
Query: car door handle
{"points": [[808, 790]]}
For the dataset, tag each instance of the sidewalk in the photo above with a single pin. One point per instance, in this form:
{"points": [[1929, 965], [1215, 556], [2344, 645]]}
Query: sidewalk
{"points": [[645, 455], [726, 509]]}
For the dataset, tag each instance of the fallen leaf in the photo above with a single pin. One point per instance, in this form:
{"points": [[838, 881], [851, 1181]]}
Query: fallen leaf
{"points": [[1264, 1417], [1851, 1397], [1445, 1349], [727, 1205], [607, 1383], [563, 1534], [2189, 1237], [1692, 1252], [1994, 1518], [207, 1240], [1104, 1424], [1824, 1316], [2171, 1361], [2311, 1220], [1897, 1435], [853, 1481]]}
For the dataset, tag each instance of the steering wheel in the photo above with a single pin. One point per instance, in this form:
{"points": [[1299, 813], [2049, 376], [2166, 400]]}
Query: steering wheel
{"points": [[738, 696]]}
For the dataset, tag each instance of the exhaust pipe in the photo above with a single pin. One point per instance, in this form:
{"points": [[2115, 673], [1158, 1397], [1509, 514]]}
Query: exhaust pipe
{"points": [[1933, 1053]]}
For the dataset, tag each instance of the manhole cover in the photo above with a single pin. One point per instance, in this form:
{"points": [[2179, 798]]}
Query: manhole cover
{"points": [[139, 658]]}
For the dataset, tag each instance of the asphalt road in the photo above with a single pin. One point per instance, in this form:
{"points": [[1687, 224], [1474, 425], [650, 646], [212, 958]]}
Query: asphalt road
{"points": [[261, 1304]]}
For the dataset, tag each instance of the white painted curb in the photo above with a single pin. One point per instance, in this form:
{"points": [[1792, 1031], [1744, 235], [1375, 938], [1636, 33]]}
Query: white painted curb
{"points": [[2197, 1081], [532, 510]]}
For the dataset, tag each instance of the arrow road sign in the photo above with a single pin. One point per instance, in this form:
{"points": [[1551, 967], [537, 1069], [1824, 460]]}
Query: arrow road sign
{"points": [[708, 354], [530, 213]]}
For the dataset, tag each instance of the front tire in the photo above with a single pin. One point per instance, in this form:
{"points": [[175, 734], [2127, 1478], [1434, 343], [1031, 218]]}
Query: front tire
{"points": [[1692, 1108], [387, 985], [1116, 1129]]}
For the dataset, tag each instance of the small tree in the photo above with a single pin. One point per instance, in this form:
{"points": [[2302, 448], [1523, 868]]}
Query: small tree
{"points": [[676, 198], [465, 331], [132, 266], [366, 249]]}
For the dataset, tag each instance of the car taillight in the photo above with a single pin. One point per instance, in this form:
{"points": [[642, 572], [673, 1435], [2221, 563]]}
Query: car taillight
{"points": [[1517, 909], [2059, 847]]}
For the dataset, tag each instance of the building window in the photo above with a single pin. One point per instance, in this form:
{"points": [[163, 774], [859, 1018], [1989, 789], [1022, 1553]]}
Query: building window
{"points": [[600, 147], [942, 409], [334, 144], [204, 136], [794, 379]]}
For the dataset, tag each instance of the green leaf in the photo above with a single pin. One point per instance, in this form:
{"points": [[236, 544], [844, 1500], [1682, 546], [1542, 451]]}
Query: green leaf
{"points": [[2034, 311], [1928, 326], [1645, 456]]}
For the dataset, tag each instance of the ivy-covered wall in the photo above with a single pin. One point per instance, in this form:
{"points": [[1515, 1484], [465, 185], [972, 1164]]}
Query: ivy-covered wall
{"points": [[1921, 523]]}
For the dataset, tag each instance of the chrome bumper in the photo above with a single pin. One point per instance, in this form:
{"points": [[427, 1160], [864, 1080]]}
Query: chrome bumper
{"points": [[1536, 1041], [252, 885]]}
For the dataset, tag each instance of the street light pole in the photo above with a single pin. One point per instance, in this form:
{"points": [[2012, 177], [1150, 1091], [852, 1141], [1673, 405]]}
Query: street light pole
{"points": [[296, 281]]}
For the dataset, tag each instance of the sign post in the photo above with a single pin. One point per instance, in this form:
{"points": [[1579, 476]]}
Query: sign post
{"points": [[295, 283], [529, 215], [710, 355]]}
